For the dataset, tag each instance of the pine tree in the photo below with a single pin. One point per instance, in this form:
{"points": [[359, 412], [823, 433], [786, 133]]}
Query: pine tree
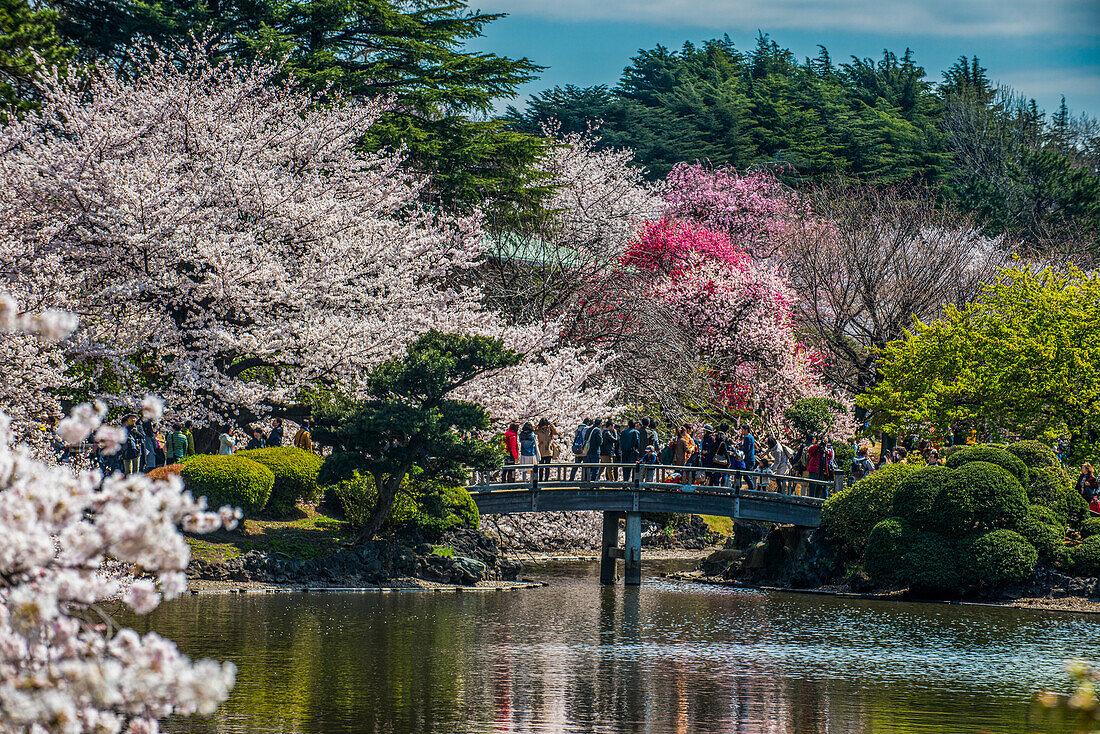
{"points": [[25, 32]]}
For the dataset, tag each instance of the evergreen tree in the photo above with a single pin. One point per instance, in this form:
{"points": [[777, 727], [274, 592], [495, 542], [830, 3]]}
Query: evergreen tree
{"points": [[24, 32]]}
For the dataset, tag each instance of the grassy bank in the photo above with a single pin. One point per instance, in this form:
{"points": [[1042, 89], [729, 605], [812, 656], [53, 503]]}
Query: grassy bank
{"points": [[311, 535]]}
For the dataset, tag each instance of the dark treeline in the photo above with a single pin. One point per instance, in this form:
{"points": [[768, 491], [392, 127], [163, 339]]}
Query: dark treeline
{"points": [[986, 148]]}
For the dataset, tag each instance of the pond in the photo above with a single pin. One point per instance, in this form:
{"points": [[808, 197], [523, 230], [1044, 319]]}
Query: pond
{"points": [[578, 657]]}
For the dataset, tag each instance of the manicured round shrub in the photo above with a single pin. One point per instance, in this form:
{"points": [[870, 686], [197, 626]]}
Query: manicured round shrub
{"points": [[915, 498], [1090, 527], [295, 473], [229, 480], [979, 495], [1077, 509], [163, 472], [1084, 560], [849, 515], [442, 506], [997, 558], [992, 455], [1050, 487], [932, 564], [1044, 531], [1034, 454], [886, 548]]}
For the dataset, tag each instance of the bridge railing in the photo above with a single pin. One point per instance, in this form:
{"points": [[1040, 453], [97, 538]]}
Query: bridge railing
{"points": [[651, 477]]}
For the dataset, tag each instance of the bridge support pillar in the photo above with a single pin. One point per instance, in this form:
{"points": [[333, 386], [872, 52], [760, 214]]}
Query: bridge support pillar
{"points": [[633, 551], [609, 547]]}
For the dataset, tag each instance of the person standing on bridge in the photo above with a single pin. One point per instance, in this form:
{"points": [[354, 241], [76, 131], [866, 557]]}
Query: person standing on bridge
{"points": [[608, 448], [511, 445], [630, 444], [748, 447], [579, 438], [547, 451], [592, 443], [528, 450]]}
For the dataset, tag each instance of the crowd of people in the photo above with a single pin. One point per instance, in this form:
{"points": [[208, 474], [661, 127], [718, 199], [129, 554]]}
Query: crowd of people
{"points": [[148, 445]]}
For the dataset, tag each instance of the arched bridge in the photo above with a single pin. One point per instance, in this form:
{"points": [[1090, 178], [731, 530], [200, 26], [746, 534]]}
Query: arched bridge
{"points": [[627, 490]]}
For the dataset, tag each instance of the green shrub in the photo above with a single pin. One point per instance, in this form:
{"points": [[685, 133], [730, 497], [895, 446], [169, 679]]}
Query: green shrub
{"points": [[1046, 532], [295, 473], [979, 495], [843, 453], [1090, 527], [442, 506], [849, 515], [992, 455], [1050, 487], [229, 480], [997, 558], [915, 499], [932, 564], [1077, 509], [1034, 454], [1084, 560], [948, 450], [357, 495], [341, 466], [813, 416], [886, 547]]}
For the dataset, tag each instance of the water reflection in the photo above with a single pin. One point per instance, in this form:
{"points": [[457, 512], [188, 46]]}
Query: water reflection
{"points": [[577, 657]]}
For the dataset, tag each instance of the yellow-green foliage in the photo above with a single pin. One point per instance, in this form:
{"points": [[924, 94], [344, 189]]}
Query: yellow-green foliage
{"points": [[295, 473], [1034, 454], [229, 480], [849, 515]]}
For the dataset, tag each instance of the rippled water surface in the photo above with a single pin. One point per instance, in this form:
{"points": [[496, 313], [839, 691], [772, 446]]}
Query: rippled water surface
{"points": [[577, 657]]}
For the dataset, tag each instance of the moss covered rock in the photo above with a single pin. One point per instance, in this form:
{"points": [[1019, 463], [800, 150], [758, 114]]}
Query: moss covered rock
{"points": [[997, 558], [849, 515], [991, 454], [295, 473], [229, 480]]}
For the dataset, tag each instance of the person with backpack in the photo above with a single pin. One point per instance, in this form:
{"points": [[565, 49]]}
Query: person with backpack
{"points": [[528, 444], [630, 447], [862, 464], [721, 457], [593, 441], [175, 444], [511, 445], [579, 437]]}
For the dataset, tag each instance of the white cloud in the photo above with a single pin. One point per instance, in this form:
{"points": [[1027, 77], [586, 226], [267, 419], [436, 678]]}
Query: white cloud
{"points": [[974, 18]]}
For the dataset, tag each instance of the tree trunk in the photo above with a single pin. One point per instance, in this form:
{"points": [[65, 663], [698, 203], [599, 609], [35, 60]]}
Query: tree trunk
{"points": [[387, 495]]}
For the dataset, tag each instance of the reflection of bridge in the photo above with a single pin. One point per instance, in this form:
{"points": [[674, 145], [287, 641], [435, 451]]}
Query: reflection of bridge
{"points": [[626, 491]]}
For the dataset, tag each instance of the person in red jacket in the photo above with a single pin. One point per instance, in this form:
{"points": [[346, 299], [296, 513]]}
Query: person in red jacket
{"points": [[815, 456], [511, 443]]}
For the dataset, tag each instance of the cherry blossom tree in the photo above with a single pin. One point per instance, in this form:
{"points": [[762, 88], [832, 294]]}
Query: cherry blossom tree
{"points": [[64, 665]]}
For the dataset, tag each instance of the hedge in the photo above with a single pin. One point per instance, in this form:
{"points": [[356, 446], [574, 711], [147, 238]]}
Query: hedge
{"points": [[915, 499], [1090, 527], [229, 480], [1085, 558], [295, 473], [997, 558], [993, 455], [1044, 531], [1050, 487], [443, 506], [849, 515], [886, 548], [932, 564], [1034, 454], [979, 495]]}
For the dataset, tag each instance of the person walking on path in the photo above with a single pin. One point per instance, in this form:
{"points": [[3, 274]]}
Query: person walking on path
{"points": [[175, 444], [630, 446], [529, 455], [275, 438], [132, 449], [579, 437], [226, 442], [547, 450], [303, 439], [511, 445], [748, 448], [592, 445]]}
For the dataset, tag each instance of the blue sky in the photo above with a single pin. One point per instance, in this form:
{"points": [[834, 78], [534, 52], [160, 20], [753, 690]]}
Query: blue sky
{"points": [[1043, 48]]}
